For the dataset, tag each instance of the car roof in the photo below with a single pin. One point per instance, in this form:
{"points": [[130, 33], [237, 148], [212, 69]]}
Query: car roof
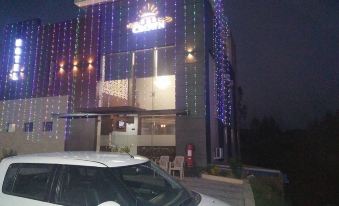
{"points": [[95, 159]]}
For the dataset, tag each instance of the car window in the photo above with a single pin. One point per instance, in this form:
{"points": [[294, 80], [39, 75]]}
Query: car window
{"points": [[151, 185], [144, 181], [28, 180], [87, 186], [9, 178]]}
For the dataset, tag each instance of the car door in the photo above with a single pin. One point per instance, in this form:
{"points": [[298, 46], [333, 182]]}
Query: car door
{"points": [[28, 184]]}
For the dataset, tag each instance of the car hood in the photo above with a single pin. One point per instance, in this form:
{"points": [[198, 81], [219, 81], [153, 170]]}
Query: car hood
{"points": [[207, 200]]}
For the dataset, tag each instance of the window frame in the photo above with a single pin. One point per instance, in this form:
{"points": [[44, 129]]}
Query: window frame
{"points": [[29, 127], [44, 126], [156, 120], [10, 127]]}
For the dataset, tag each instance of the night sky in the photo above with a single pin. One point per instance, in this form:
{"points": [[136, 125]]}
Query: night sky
{"points": [[287, 52]]}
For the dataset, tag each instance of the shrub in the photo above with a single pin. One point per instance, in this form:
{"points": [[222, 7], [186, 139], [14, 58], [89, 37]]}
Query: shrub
{"points": [[236, 167], [115, 149], [8, 153], [124, 149], [215, 170], [268, 191], [225, 173]]}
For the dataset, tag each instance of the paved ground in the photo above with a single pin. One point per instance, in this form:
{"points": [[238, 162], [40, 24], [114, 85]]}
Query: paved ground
{"points": [[235, 195]]}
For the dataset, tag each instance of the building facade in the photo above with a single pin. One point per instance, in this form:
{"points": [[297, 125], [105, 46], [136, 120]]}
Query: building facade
{"points": [[151, 75]]}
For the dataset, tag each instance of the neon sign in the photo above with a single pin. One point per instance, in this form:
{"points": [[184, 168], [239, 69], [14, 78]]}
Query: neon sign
{"points": [[149, 20], [17, 71]]}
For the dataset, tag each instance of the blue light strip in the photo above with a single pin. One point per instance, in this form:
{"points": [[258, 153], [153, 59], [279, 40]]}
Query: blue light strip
{"points": [[223, 66]]}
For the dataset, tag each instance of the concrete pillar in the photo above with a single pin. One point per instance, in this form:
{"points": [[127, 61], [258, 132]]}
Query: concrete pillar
{"points": [[100, 91], [98, 142], [233, 144], [226, 142]]}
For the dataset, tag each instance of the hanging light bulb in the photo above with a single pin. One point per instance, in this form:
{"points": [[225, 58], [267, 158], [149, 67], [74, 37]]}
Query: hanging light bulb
{"points": [[90, 63], [61, 68], [75, 65]]}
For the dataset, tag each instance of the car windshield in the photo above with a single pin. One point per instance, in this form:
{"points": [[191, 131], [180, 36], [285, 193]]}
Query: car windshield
{"points": [[150, 185]]}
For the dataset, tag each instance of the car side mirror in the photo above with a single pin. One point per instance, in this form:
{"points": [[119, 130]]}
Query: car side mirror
{"points": [[109, 203]]}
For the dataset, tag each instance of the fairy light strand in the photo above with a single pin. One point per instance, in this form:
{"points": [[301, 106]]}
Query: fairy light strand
{"points": [[3, 74]]}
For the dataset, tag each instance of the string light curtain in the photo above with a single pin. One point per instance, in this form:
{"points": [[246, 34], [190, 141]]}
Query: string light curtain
{"points": [[223, 66]]}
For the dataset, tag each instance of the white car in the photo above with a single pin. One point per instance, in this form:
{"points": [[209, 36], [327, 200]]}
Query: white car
{"points": [[90, 178]]}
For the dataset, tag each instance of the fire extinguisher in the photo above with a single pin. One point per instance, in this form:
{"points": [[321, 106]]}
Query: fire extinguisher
{"points": [[189, 155]]}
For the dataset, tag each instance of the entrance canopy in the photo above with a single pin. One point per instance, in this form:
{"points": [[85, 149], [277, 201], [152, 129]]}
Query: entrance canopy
{"points": [[104, 111]]}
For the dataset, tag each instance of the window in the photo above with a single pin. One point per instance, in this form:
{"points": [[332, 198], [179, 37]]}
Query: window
{"points": [[140, 78], [28, 127], [10, 127], [142, 184], [28, 180], [164, 125], [9, 179], [152, 186], [47, 126]]}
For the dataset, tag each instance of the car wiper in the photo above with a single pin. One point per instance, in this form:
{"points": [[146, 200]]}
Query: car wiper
{"points": [[131, 156]]}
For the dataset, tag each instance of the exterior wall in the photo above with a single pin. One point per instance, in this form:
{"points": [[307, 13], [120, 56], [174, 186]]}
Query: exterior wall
{"points": [[19, 89], [191, 84], [192, 131], [213, 122], [46, 49], [116, 37], [211, 92], [36, 110], [231, 54]]}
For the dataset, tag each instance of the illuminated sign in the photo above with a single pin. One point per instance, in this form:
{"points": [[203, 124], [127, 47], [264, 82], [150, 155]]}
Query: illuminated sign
{"points": [[17, 71], [84, 3], [149, 20]]}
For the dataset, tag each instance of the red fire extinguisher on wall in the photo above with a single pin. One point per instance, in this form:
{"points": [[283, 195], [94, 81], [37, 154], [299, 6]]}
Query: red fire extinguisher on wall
{"points": [[189, 155]]}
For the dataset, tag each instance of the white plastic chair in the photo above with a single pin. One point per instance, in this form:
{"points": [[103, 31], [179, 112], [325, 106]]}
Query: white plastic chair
{"points": [[177, 165], [163, 162]]}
